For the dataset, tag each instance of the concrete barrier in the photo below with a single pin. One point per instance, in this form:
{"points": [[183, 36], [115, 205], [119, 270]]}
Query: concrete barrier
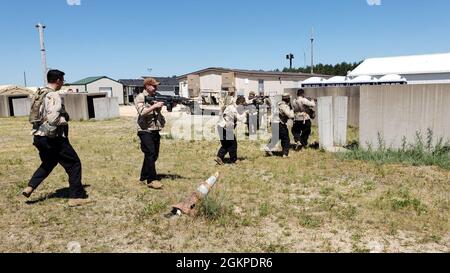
{"points": [[76, 106], [325, 120], [400, 111], [4, 107], [106, 108], [351, 92], [21, 107]]}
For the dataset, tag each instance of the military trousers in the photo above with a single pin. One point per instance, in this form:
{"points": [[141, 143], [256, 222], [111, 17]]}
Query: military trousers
{"points": [[228, 143], [54, 151], [280, 131], [150, 144], [301, 131]]}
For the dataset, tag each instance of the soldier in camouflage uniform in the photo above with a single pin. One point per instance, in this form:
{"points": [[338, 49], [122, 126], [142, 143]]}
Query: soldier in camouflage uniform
{"points": [[279, 126], [226, 127], [51, 138], [301, 129]]}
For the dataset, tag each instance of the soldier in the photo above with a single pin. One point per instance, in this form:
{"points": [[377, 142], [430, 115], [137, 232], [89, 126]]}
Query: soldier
{"points": [[226, 128], [252, 117], [51, 138], [228, 99], [279, 126], [302, 121], [150, 123]]}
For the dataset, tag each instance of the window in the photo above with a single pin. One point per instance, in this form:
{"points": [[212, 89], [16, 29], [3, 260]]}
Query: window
{"points": [[107, 90]]}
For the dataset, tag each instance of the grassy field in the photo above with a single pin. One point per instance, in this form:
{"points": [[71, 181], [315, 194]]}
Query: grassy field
{"points": [[312, 202]]}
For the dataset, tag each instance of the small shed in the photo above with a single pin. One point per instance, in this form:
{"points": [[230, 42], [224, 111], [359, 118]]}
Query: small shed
{"points": [[101, 84], [15, 101], [86, 106]]}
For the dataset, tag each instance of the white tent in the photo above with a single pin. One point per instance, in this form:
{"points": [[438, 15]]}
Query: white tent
{"points": [[314, 81], [392, 78], [419, 69], [364, 80], [337, 80]]}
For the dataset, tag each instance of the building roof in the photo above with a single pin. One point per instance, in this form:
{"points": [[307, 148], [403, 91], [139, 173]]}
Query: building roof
{"points": [[251, 72], [89, 80], [169, 81], [404, 65], [132, 82], [14, 90]]}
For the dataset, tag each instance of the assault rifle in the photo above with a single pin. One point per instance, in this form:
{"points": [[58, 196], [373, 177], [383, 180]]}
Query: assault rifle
{"points": [[169, 101]]}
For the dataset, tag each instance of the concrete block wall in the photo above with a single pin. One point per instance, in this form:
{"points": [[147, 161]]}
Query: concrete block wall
{"points": [[76, 106], [399, 111], [106, 108], [351, 92], [4, 107], [22, 107]]}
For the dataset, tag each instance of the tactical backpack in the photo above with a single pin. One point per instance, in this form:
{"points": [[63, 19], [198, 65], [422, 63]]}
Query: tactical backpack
{"points": [[311, 111], [37, 103]]}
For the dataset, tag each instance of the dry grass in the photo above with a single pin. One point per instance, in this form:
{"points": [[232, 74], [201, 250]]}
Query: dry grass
{"points": [[313, 202]]}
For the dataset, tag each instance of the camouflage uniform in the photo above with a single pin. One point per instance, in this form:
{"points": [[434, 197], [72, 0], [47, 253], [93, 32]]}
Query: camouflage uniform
{"points": [[302, 121], [153, 121], [54, 119], [279, 127], [226, 128]]}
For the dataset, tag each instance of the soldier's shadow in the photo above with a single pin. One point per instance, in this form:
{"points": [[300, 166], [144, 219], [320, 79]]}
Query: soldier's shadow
{"points": [[277, 153], [170, 177], [63, 193], [229, 162]]}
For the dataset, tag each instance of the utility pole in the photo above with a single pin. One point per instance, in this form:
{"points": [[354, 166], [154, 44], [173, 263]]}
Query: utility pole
{"points": [[25, 78], [290, 57], [312, 50], [41, 28], [304, 58]]}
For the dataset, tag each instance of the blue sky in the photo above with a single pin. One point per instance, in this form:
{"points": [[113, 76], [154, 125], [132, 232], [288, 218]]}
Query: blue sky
{"points": [[122, 39]]}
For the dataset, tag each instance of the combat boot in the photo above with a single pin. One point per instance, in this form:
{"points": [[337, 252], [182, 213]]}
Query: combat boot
{"points": [[155, 185], [28, 192], [219, 161], [268, 151]]}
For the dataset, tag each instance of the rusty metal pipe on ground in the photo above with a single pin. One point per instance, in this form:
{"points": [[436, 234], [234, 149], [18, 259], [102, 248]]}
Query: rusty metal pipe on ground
{"points": [[189, 205]]}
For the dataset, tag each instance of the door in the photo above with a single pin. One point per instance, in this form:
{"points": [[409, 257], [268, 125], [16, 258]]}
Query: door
{"points": [[107, 90], [261, 87]]}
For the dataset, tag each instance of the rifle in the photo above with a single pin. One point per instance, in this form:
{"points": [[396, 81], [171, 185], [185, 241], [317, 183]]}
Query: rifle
{"points": [[169, 101]]}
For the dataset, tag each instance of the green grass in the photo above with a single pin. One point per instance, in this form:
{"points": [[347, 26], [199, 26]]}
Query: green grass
{"points": [[312, 202], [421, 153]]}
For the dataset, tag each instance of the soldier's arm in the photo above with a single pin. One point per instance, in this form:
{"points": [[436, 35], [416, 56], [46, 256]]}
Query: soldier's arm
{"points": [[287, 111], [241, 118], [308, 102], [142, 109], [53, 107]]}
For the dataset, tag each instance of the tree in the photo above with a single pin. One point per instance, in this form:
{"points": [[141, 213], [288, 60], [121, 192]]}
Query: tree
{"points": [[333, 70]]}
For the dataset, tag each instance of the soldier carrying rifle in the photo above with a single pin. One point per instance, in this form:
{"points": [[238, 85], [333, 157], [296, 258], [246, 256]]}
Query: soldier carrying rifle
{"points": [[150, 123]]}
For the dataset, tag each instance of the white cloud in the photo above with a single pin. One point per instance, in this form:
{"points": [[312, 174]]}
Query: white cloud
{"points": [[74, 2], [374, 2]]}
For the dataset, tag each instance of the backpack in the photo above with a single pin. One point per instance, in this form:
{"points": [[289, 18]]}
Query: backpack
{"points": [[311, 111], [37, 102]]}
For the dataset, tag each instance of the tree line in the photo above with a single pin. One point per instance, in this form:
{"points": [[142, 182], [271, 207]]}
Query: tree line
{"points": [[340, 69]]}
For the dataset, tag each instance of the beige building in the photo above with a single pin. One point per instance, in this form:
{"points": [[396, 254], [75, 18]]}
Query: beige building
{"points": [[241, 81], [112, 88]]}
